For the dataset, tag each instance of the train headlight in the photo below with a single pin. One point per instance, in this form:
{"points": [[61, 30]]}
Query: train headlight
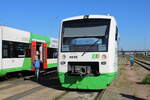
{"points": [[103, 63], [62, 62], [104, 57], [63, 56]]}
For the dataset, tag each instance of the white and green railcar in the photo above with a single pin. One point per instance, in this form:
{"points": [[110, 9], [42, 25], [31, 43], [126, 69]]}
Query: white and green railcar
{"points": [[88, 52], [18, 49]]}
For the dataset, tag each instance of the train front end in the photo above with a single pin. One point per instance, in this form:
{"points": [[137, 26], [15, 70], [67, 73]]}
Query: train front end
{"points": [[86, 54]]}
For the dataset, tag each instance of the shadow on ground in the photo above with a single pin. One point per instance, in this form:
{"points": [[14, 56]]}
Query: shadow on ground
{"points": [[51, 80], [131, 97]]}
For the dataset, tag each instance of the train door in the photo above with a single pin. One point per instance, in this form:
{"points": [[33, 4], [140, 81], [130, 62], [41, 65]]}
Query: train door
{"points": [[0, 56], [44, 55], [39, 49], [33, 53]]}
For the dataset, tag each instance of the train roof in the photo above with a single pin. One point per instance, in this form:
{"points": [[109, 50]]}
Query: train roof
{"points": [[90, 17], [18, 35]]}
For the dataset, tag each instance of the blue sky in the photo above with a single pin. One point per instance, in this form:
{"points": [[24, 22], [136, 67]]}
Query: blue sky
{"points": [[44, 17]]}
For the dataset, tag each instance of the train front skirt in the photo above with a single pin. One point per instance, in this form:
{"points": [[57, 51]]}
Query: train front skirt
{"points": [[86, 82]]}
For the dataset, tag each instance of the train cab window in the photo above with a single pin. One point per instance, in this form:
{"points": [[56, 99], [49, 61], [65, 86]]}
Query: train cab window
{"points": [[14, 49], [116, 36], [52, 53]]}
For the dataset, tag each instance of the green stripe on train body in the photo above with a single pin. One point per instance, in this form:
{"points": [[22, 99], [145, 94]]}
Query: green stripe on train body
{"points": [[52, 65], [86, 82], [39, 37], [26, 66]]}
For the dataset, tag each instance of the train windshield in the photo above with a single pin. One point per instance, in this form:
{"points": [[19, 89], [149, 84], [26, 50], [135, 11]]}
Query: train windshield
{"points": [[80, 35]]}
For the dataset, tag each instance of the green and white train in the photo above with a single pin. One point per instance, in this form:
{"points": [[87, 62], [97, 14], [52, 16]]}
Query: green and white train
{"points": [[18, 49], [87, 57]]}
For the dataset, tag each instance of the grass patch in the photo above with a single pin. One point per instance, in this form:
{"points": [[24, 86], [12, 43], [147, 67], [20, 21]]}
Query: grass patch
{"points": [[146, 79], [121, 81]]}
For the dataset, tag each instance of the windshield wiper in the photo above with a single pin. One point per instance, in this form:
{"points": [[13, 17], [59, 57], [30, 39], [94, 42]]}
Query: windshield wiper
{"points": [[90, 47]]}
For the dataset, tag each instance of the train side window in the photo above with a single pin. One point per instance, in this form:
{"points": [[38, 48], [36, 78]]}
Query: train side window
{"points": [[22, 50], [116, 35], [28, 53], [52, 53], [14, 49], [5, 49]]}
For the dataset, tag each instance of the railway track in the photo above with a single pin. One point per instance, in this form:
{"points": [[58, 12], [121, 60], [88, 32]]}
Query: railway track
{"points": [[99, 95], [14, 76], [80, 95], [66, 93], [63, 94], [144, 64]]}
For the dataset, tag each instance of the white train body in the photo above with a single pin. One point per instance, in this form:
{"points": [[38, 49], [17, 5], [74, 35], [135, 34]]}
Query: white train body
{"points": [[13, 58]]}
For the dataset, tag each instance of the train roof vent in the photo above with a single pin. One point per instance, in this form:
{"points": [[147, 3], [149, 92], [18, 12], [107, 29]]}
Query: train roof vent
{"points": [[86, 17], [108, 14]]}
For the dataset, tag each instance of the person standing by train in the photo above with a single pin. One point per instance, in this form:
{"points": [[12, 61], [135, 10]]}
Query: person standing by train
{"points": [[131, 60], [37, 67]]}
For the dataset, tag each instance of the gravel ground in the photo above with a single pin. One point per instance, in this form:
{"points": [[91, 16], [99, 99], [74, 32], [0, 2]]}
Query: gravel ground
{"points": [[128, 85]]}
